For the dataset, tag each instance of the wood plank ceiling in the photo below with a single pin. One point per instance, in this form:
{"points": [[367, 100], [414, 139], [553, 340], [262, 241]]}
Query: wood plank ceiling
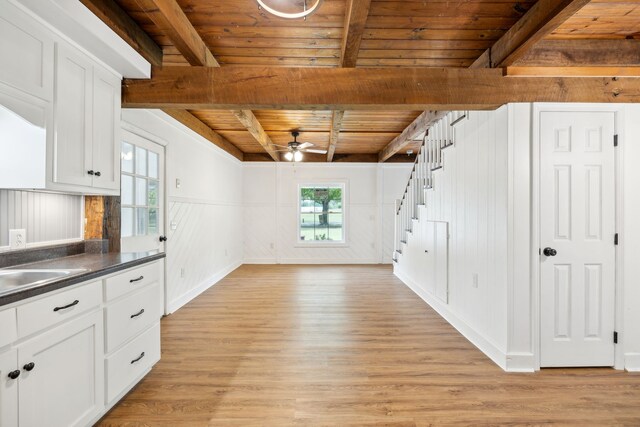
{"points": [[380, 34]]}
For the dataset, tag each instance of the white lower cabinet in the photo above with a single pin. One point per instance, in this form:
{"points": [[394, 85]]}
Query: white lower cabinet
{"points": [[9, 376], [55, 367], [62, 380]]}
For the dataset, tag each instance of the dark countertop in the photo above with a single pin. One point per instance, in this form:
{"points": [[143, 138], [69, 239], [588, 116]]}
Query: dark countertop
{"points": [[96, 265]]}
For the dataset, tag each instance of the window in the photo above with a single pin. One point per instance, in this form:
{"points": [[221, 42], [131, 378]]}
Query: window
{"points": [[321, 213], [140, 186]]}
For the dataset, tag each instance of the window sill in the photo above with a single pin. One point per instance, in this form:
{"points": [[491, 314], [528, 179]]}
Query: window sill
{"points": [[321, 245]]}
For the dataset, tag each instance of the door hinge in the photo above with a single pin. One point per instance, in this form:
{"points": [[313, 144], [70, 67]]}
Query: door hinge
{"points": [[615, 239], [615, 337], [615, 140]]}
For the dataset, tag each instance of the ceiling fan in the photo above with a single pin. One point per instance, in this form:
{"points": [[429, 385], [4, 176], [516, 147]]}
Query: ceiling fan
{"points": [[294, 149]]}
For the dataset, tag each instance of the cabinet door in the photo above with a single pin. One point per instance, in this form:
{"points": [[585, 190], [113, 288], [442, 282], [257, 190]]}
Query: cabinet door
{"points": [[27, 52], [106, 126], [73, 118], [8, 389], [65, 386]]}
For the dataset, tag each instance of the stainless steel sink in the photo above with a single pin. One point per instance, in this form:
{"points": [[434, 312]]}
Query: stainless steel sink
{"points": [[13, 279]]}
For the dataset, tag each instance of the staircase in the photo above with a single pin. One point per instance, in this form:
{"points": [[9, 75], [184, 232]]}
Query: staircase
{"points": [[438, 137]]}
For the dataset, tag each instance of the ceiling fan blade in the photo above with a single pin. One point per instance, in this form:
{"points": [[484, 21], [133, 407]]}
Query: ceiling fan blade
{"points": [[305, 145], [316, 151]]}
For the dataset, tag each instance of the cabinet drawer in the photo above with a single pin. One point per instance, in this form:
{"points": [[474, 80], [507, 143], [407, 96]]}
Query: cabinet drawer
{"points": [[129, 316], [8, 328], [127, 364], [131, 280], [48, 311]]}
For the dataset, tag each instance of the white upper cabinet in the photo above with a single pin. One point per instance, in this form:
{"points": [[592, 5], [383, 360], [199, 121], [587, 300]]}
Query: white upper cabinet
{"points": [[72, 155], [81, 97], [27, 52]]}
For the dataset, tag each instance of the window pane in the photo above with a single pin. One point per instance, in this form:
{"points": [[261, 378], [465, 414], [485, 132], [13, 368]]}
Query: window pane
{"points": [[153, 221], [141, 221], [127, 157], [127, 222], [321, 214], [152, 195], [153, 164], [141, 191], [127, 190], [141, 161]]}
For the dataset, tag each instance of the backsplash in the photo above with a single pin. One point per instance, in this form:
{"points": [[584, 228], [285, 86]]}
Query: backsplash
{"points": [[46, 217]]}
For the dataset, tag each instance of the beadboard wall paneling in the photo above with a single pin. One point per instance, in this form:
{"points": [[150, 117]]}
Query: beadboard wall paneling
{"points": [[270, 211], [205, 241], [47, 217], [470, 193]]}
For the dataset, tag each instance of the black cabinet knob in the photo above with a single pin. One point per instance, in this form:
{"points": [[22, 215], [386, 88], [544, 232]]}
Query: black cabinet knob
{"points": [[163, 238], [549, 252], [29, 366], [14, 374], [98, 173], [91, 172]]}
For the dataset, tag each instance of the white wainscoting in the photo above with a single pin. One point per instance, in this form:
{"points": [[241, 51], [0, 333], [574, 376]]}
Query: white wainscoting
{"points": [[205, 209], [48, 217], [270, 212], [470, 194]]}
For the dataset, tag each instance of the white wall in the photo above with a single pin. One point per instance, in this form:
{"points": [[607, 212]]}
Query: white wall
{"points": [[470, 193], [207, 208], [48, 218], [270, 214]]}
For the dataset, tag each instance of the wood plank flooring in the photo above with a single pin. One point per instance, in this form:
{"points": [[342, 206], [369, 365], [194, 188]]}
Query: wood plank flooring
{"points": [[278, 345]]}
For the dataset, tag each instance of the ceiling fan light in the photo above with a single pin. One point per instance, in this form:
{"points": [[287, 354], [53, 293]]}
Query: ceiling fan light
{"points": [[288, 155], [297, 156]]}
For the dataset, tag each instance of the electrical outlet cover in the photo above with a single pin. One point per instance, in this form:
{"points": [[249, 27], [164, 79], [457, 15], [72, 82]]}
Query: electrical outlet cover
{"points": [[18, 238]]}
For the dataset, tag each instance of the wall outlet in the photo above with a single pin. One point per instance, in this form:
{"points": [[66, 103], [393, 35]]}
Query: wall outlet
{"points": [[174, 225], [18, 238], [475, 280], [178, 183], [182, 273]]}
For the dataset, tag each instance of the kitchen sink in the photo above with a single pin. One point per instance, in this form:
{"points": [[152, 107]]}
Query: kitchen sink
{"points": [[13, 279]]}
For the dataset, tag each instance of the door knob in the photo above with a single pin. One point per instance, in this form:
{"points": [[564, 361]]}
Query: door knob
{"points": [[163, 238], [549, 252]]}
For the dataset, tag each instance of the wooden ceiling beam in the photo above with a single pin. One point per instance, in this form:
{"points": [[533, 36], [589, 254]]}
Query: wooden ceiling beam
{"points": [[237, 88], [336, 123], [518, 71], [125, 27], [540, 21], [171, 19], [195, 124], [582, 53], [422, 122], [354, 24]]}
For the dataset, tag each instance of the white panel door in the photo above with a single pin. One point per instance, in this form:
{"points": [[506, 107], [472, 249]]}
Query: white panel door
{"points": [[577, 227], [62, 379]]}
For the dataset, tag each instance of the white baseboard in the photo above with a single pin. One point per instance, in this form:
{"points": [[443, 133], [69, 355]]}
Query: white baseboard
{"points": [[260, 261], [484, 345], [179, 302], [632, 362], [520, 362], [327, 261]]}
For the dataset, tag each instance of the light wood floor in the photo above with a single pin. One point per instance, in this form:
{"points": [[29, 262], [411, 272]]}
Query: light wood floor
{"points": [[347, 345]]}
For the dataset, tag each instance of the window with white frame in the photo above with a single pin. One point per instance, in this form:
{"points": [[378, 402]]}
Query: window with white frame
{"points": [[321, 213], [140, 186]]}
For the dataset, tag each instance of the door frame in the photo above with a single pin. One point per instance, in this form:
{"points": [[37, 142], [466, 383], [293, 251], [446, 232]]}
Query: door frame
{"points": [[618, 113]]}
